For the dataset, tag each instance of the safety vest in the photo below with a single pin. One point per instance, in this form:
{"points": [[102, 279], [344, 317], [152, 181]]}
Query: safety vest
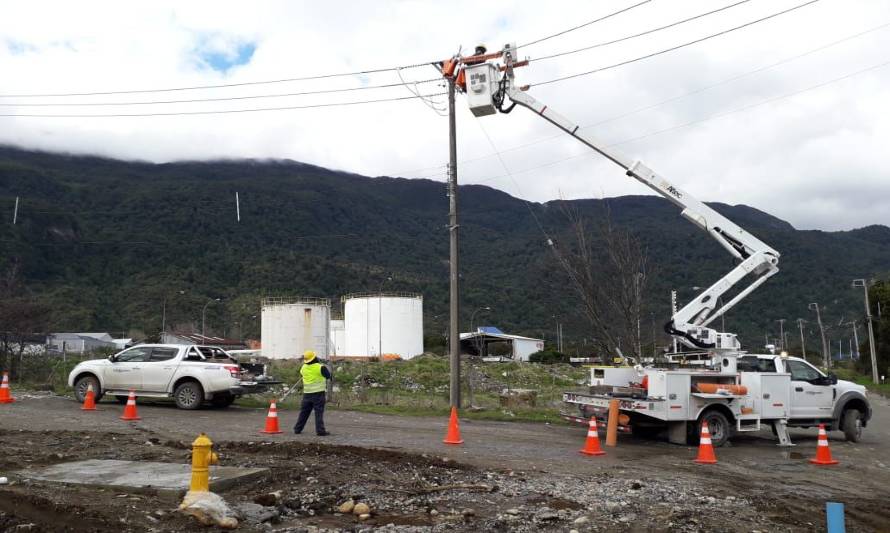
{"points": [[313, 381]]}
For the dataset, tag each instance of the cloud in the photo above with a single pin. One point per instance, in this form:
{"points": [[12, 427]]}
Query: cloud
{"points": [[814, 159]]}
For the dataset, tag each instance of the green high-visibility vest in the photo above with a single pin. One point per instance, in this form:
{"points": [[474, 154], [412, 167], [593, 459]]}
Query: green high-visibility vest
{"points": [[313, 381]]}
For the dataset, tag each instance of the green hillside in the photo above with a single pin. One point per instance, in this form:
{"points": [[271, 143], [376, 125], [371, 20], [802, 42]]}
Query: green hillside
{"points": [[103, 242]]}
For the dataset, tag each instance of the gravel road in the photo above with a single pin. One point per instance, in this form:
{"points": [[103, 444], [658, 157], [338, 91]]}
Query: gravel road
{"points": [[526, 476]]}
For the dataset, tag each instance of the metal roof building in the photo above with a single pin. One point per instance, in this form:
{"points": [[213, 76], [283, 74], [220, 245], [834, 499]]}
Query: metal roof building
{"points": [[479, 341]]}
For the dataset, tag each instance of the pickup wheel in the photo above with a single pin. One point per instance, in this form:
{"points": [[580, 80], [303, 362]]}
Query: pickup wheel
{"points": [[81, 386], [189, 395], [718, 428], [852, 425], [222, 400]]}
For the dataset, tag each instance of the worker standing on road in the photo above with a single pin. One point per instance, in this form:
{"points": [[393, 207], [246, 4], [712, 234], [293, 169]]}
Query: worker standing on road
{"points": [[315, 376]]}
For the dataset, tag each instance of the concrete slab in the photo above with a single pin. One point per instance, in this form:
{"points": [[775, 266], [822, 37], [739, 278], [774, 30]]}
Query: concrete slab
{"points": [[167, 479]]}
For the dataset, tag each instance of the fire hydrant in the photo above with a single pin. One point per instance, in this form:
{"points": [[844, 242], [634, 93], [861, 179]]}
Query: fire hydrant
{"points": [[202, 458]]}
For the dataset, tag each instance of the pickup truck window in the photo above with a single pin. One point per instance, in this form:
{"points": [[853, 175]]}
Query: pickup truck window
{"points": [[163, 354], [193, 355], [133, 355], [802, 372], [756, 364]]}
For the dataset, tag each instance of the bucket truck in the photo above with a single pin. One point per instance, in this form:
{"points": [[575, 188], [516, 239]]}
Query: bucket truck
{"points": [[712, 380]]}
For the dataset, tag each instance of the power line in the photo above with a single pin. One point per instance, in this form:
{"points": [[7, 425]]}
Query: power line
{"points": [[666, 50], [680, 96], [578, 27], [647, 32], [222, 85], [691, 123], [223, 111], [220, 99]]}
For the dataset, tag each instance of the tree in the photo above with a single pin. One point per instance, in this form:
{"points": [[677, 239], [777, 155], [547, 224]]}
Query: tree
{"points": [[21, 320], [609, 274]]}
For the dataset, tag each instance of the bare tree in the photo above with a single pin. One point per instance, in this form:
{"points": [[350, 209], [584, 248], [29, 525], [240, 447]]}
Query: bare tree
{"points": [[609, 274], [21, 319]]}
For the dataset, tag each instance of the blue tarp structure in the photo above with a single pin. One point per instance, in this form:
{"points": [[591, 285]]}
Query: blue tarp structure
{"points": [[490, 329]]}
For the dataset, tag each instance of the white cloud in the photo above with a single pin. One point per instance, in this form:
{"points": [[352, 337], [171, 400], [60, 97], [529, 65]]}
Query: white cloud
{"points": [[816, 159]]}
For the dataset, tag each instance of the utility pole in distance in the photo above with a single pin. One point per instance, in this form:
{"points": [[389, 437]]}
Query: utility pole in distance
{"points": [[803, 343], [826, 354], [871, 332], [781, 322], [453, 227]]}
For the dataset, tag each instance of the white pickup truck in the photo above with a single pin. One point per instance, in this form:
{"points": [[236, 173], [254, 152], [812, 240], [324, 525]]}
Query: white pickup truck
{"points": [[190, 374], [744, 392]]}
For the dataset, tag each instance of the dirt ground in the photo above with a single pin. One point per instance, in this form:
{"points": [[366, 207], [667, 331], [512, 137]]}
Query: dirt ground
{"points": [[506, 477]]}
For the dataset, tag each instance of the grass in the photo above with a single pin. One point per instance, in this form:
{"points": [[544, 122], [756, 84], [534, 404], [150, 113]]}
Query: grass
{"points": [[851, 375]]}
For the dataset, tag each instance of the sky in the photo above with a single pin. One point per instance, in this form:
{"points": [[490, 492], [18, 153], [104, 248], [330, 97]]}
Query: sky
{"points": [[789, 115]]}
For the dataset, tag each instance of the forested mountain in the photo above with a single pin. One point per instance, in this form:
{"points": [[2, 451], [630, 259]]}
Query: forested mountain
{"points": [[104, 242]]}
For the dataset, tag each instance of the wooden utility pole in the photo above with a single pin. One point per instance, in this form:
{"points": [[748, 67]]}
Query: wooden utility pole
{"points": [[803, 342], [453, 227]]}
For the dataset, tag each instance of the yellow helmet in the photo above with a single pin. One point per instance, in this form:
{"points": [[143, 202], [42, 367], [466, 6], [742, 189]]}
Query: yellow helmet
{"points": [[308, 355]]}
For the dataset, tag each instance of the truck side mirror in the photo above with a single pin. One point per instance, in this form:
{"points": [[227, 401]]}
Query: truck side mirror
{"points": [[832, 378]]}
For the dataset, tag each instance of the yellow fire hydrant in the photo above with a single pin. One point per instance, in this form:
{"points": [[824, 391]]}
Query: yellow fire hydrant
{"points": [[202, 458]]}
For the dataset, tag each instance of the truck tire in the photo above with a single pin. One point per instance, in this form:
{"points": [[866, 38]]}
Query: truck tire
{"points": [[718, 427], [189, 395], [81, 385], [222, 400], [852, 425]]}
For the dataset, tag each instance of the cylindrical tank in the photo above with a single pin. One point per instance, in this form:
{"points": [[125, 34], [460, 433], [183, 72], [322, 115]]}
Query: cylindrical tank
{"points": [[338, 337], [384, 323], [290, 326]]}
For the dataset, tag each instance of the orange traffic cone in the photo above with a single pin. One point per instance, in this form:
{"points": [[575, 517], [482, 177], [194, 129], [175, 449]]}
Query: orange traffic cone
{"points": [[592, 445], [89, 403], [453, 435], [823, 453], [5, 395], [130, 409], [272, 420], [705, 448]]}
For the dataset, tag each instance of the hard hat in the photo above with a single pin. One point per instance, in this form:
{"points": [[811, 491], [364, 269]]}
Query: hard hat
{"points": [[481, 49], [308, 355]]}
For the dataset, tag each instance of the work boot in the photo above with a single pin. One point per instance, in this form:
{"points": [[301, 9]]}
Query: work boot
{"points": [[323, 433]]}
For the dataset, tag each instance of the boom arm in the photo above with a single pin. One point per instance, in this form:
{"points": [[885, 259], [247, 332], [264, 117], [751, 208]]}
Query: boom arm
{"points": [[690, 323]]}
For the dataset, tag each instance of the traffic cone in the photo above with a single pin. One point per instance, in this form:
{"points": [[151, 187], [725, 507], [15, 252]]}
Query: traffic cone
{"points": [[130, 409], [272, 420], [823, 453], [592, 445], [453, 435], [705, 448], [5, 395], [89, 403]]}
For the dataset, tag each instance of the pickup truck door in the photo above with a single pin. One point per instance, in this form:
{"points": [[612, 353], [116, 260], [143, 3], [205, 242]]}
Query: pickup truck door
{"points": [[159, 369], [126, 369], [809, 399]]}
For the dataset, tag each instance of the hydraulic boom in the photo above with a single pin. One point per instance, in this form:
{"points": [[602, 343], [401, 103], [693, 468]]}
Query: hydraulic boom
{"points": [[488, 86]]}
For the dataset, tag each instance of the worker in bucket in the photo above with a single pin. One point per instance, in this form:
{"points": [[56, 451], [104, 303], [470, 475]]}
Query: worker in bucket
{"points": [[315, 379]]}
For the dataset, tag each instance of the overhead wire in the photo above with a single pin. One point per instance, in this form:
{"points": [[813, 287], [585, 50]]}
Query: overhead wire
{"points": [[223, 85], [220, 111], [683, 95], [584, 25], [693, 122], [673, 48], [219, 99], [642, 33]]}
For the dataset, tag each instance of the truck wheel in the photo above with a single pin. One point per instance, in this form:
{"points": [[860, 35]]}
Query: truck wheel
{"points": [[222, 400], [718, 427], [81, 386], [189, 395], [852, 425]]}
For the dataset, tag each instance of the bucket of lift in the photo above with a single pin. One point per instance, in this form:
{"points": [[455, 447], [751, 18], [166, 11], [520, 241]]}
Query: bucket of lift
{"points": [[482, 85]]}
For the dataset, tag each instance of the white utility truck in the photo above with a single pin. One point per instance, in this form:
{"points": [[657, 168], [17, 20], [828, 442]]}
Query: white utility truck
{"points": [[190, 374], [711, 379]]}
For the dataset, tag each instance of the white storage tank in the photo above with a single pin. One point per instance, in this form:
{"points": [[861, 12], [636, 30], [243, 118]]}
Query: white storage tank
{"points": [[290, 326], [384, 323], [338, 337]]}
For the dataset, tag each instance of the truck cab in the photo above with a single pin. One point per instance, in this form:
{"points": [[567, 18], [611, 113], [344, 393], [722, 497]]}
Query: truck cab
{"points": [[816, 397]]}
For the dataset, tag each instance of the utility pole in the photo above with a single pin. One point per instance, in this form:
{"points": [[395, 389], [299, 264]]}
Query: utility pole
{"points": [[674, 312], [781, 322], [15, 212], [454, 294], [826, 355], [803, 342], [871, 331]]}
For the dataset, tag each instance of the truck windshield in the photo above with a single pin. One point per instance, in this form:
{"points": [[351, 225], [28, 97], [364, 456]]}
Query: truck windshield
{"points": [[756, 364]]}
